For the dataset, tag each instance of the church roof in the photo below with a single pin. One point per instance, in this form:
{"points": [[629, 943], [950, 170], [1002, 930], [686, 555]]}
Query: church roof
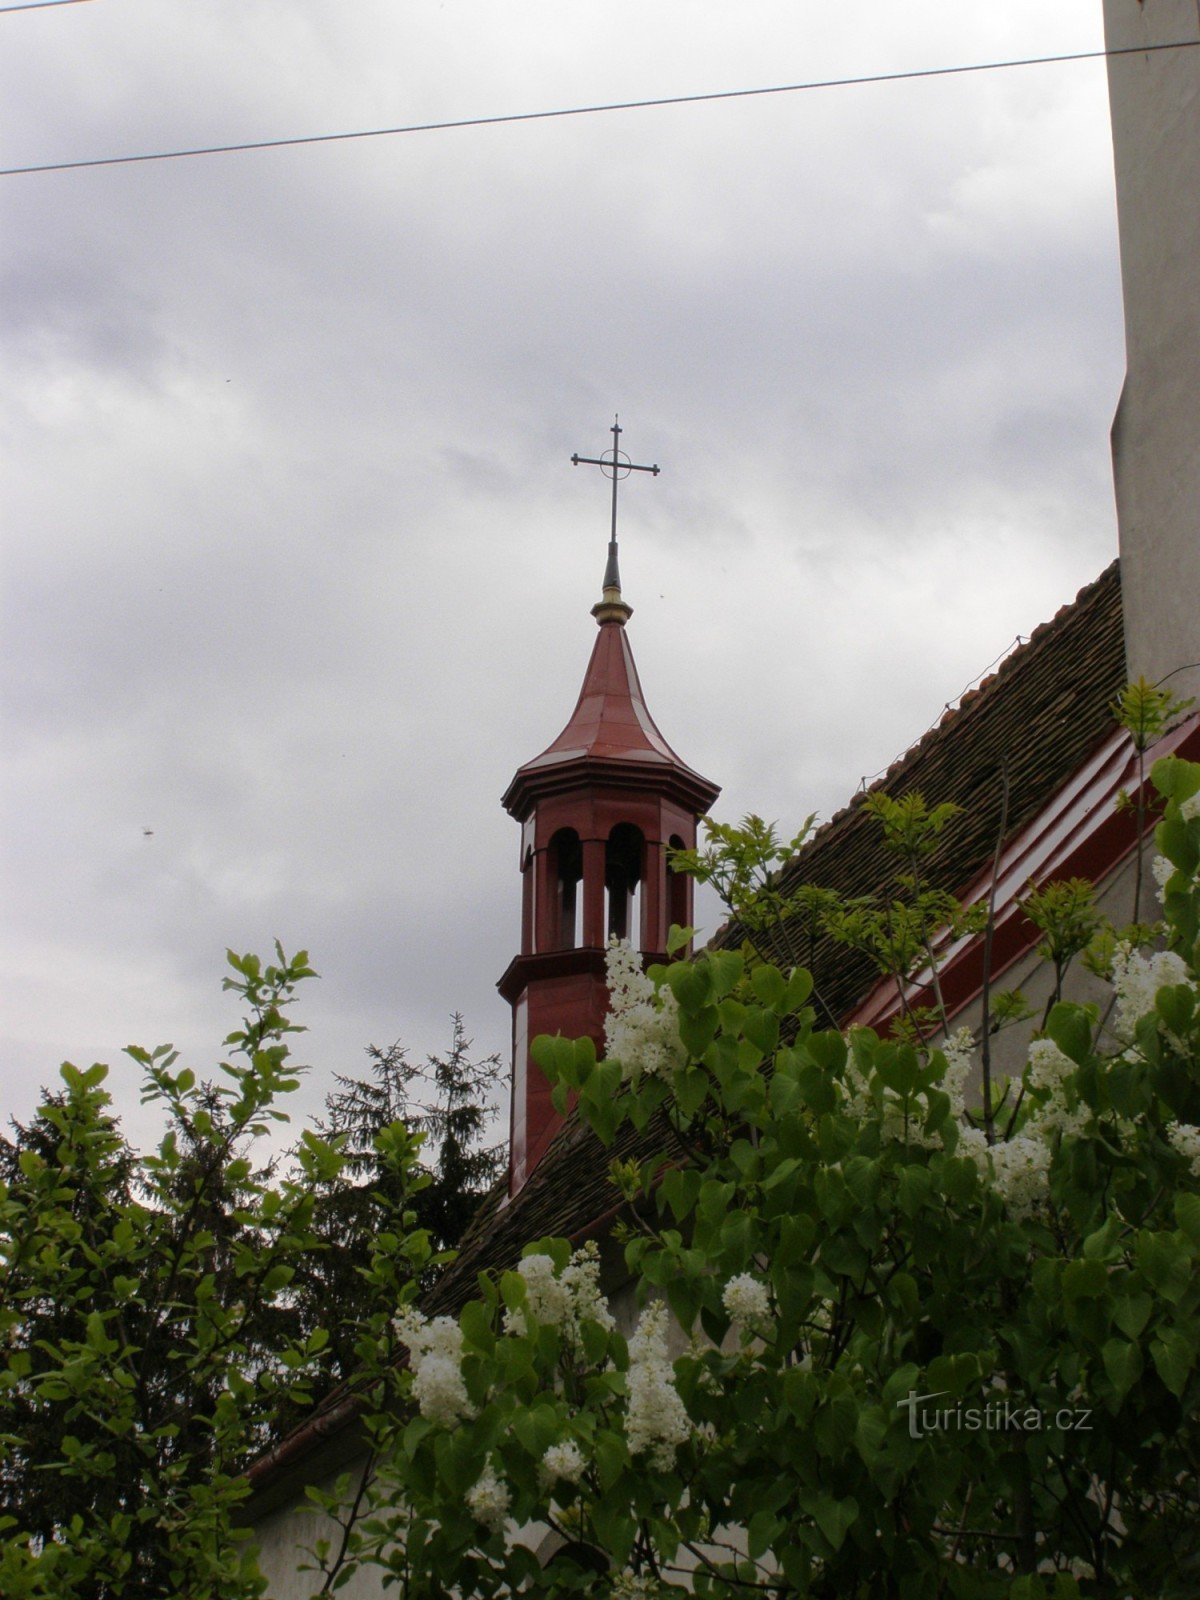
{"points": [[1040, 716], [610, 729]]}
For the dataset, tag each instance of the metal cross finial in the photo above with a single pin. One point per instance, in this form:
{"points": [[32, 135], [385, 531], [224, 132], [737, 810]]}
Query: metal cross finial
{"points": [[614, 464]]}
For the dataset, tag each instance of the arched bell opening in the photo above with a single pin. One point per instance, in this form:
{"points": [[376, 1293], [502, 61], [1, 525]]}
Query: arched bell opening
{"points": [[527, 889], [624, 865], [566, 871], [679, 889]]}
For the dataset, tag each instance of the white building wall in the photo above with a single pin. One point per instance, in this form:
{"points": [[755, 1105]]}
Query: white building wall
{"points": [[1155, 103], [1035, 978]]}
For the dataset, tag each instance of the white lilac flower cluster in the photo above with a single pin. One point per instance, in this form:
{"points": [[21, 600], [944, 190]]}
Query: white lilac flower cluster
{"points": [[488, 1500], [746, 1301], [655, 1421], [1137, 978], [564, 1300], [959, 1051], [1020, 1168], [859, 1104], [563, 1461], [1049, 1072], [1186, 1139], [642, 1029], [435, 1348]]}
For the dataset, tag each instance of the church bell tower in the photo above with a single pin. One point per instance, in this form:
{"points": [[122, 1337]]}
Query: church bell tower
{"points": [[599, 810]]}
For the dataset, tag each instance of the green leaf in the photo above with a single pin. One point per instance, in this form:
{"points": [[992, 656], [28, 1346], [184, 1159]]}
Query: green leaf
{"points": [[1166, 1263], [827, 1051], [680, 1189], [1123, 1364], [1174, 1356], [781, 1173], [1131, 1313], [1105, 1244], [476, 1324], [537, 1429], [763, 1527], [835, 1425], [615, 1529], [698, 1029], [1187, 1214], [816, 1087], [834, 1517], [1070, 1027], [1176, 1006], [915, 1189], [768, 984], [611, 1457], [899, 1068], [870, 1434], [1082, 1280], [902, 1291], [761, 1028], [1175, 778], [725, 968], [691, 984], [691, 1091], [799, 987]]}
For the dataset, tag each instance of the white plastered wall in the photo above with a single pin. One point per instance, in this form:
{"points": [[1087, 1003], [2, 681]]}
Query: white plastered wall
{"points": [[1034, 977], [1155, 103]]}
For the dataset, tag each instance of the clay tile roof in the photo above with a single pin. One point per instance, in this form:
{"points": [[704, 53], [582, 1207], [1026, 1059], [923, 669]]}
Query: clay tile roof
{"points": [[1042, 713]]}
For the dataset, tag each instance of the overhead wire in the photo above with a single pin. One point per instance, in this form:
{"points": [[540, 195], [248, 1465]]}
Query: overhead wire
{"points": [[588, 110], [39, 5], [952, 704]]}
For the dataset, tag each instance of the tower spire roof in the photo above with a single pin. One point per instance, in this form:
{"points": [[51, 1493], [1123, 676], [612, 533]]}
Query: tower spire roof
{"points": [[610, 736]]}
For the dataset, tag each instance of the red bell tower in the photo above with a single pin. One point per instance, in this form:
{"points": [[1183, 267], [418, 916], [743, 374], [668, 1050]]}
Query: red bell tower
{"points": [[599, 810]]}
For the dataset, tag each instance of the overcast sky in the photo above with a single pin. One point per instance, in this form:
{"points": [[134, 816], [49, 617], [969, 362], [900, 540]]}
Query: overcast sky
{"points": [[296, 568]]}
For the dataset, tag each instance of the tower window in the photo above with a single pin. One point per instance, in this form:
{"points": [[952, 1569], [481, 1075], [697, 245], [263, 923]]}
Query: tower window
{"points": [[566, 869], [623, 857]]}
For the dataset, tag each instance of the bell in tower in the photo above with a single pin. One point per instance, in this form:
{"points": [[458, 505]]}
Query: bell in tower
{"points": [[599, 809]]}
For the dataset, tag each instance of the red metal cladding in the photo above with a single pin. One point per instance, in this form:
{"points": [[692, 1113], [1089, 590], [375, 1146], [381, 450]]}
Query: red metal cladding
{"points": [[610, 726]]}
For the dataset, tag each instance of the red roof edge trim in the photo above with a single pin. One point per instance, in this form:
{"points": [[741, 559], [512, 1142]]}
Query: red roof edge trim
{"points": [[1080, 834]]}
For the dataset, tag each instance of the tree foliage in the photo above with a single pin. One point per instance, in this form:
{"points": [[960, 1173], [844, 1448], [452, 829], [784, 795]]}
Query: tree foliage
{"points": [[449, 1102], [150, 1329], [916, 1351]]}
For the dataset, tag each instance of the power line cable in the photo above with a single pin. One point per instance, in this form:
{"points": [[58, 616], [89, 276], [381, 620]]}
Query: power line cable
{"points": [[40, 5], [951, 705], [588, 111]]}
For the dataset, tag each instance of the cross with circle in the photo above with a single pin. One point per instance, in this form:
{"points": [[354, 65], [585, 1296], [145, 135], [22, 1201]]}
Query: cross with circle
{"points": [[614, 464]]}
